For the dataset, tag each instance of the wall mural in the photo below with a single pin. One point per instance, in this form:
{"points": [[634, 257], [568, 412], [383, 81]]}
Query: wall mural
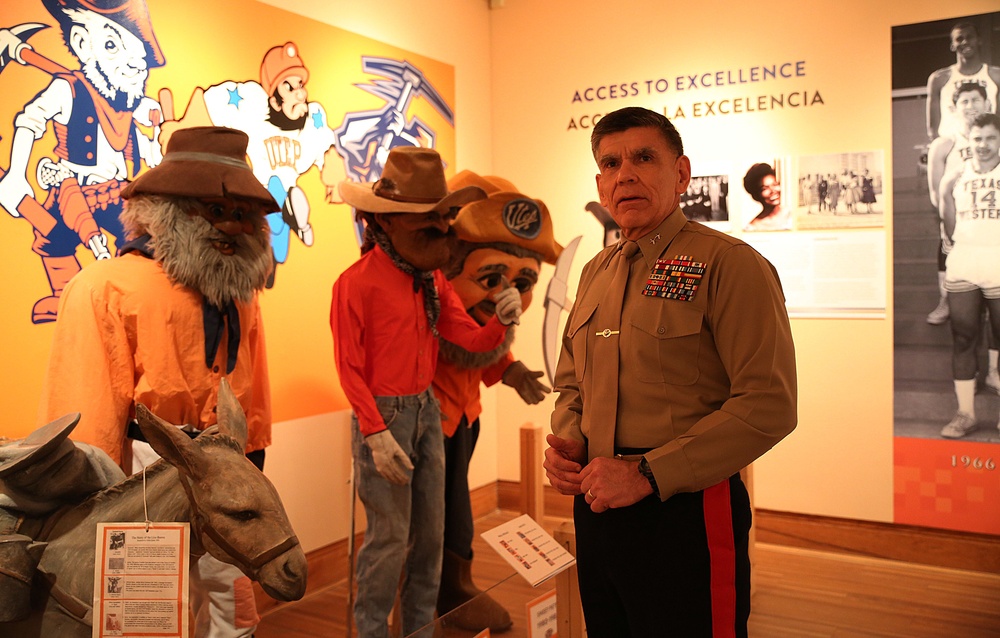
{"points": [[92, 91]]}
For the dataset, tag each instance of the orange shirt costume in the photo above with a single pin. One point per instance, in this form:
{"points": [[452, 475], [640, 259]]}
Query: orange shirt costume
{"points": [[127, 334], [457, 390]]}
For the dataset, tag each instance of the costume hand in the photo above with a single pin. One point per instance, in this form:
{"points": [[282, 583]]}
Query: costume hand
{"points": [[390, 460], [612, 483], [563, 463], [508, 306], [525, 381]]}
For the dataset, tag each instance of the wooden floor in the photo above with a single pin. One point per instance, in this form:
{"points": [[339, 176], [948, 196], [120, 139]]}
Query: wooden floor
{"points": [[797, 593]]}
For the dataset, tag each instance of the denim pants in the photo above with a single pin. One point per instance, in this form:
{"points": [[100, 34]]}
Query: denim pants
{"points": [[405, 522]]}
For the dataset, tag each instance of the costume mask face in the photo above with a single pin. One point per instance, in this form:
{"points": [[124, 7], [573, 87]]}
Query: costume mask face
{"points": [[223, 264], [486, 272], [424, 240]]}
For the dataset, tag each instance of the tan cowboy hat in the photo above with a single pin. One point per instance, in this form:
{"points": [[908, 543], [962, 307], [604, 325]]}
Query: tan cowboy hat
{"points": [[130, 14], [200, 162], [37, 445], [412, 182], [506, 216]]}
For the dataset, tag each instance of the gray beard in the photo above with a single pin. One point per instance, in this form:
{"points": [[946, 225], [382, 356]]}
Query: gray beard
{"points": [[182, 244], [459, 356], [120, 100]]}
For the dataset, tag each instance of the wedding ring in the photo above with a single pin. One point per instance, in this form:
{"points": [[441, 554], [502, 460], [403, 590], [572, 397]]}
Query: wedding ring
{"points": [[591, 495]]}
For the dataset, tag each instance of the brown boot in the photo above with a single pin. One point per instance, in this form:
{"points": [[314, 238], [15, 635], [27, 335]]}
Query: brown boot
{"points": [[457, 590], [59, 270]]}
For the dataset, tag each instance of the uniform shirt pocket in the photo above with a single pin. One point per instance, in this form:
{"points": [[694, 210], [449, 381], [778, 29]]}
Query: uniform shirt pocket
{"points": [[666, 342], [578, 333]]}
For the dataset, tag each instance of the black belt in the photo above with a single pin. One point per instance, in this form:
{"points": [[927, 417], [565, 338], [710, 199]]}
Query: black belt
{"points": [[135, 432], [632, 451]]}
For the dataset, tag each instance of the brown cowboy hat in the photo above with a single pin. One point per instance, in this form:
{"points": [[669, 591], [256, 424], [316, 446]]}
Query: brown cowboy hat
{"points": [[412, 182], [131, 14], [201, 162], [506, 217]]}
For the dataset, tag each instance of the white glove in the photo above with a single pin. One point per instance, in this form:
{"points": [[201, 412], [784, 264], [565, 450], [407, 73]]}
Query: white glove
{"points": [[508, 306], [390, 460]]}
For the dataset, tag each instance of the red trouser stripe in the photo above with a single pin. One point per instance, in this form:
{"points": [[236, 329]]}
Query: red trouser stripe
{"points": [[722, 554]]}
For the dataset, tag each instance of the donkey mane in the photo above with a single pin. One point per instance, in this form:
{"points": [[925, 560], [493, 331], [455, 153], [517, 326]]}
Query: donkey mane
{"points": [[160, 466]]}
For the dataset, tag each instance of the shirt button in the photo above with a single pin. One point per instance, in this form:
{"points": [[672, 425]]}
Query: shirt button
{"points": [[661, 330], [215, 369]]}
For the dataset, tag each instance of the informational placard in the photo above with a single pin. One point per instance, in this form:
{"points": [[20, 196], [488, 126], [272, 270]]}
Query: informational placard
{"points": [[829, 274], [529, 549], [542, 619], [141, 580]]}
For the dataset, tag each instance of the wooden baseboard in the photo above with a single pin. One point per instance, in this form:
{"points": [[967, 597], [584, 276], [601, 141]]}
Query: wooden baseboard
{"points": [[906, 543], [920, 545]]}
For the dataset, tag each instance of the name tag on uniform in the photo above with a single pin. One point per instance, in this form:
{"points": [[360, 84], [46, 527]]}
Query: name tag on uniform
{"points": [[676, 278]]}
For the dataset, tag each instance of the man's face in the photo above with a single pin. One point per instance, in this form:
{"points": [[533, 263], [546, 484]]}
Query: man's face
{"points": [[424, 240], [293, 96], [985, 142], [970, 105], [641, 179], [965, 42], [113, 59], [486, 272]]}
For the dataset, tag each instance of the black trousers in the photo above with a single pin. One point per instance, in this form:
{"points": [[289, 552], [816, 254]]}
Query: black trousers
{"points": [[458, 525], [674, 568]]}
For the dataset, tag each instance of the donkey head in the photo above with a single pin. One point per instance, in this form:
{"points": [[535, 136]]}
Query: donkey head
{"points": [[236, 513]]}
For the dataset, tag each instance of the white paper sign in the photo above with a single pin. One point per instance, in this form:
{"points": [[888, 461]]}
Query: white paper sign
{"points": [[141, 580], [529, 549]]}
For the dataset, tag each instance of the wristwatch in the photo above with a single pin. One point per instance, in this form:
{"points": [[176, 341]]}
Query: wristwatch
{"points": [[645, 470]]}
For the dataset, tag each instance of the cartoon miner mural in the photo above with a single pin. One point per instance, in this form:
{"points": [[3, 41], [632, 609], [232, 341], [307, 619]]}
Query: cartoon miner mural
{"points": [[94, 113], [366, 137], [502, 242], [288, 136]]}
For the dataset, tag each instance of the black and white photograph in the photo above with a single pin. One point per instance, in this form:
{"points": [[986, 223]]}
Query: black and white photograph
{"points": [[707, 199], [945, 77], [770, 209], [840, 190]]}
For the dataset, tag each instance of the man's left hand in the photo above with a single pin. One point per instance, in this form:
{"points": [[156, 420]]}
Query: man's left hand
{"points": [[609, 483], [525, 381]]}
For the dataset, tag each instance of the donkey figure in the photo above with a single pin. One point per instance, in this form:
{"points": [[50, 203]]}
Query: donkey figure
{"points": [[234, 511]]}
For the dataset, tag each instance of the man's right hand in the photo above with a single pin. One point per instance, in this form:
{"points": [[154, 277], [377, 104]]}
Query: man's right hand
{"points": [[390, 460], [563, 463]]}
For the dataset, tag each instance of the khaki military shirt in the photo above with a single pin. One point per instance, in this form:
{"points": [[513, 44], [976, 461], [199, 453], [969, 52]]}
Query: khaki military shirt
{"points": [[706, 375]]}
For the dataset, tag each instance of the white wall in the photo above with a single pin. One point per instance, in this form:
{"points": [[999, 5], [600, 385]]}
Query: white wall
{"points": [[839, 460]]}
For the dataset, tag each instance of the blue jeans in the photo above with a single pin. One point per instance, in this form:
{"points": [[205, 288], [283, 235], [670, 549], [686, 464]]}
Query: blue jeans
{"points": [[405, 522]]}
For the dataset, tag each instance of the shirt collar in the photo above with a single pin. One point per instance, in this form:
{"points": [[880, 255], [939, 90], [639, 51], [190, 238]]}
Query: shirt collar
{"points": [[655, 242]]}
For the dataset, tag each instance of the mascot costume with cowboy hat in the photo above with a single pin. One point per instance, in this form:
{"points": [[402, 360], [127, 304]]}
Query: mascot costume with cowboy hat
{"points": [[502, 242], [388, 310], [167, 320]]}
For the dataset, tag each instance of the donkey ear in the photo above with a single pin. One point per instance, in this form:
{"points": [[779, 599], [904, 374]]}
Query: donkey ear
{"points": [[232, 420], [176, 447]]}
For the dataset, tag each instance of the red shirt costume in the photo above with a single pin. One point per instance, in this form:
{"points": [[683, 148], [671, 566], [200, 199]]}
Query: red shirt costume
{"points": [[383, 345]]}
